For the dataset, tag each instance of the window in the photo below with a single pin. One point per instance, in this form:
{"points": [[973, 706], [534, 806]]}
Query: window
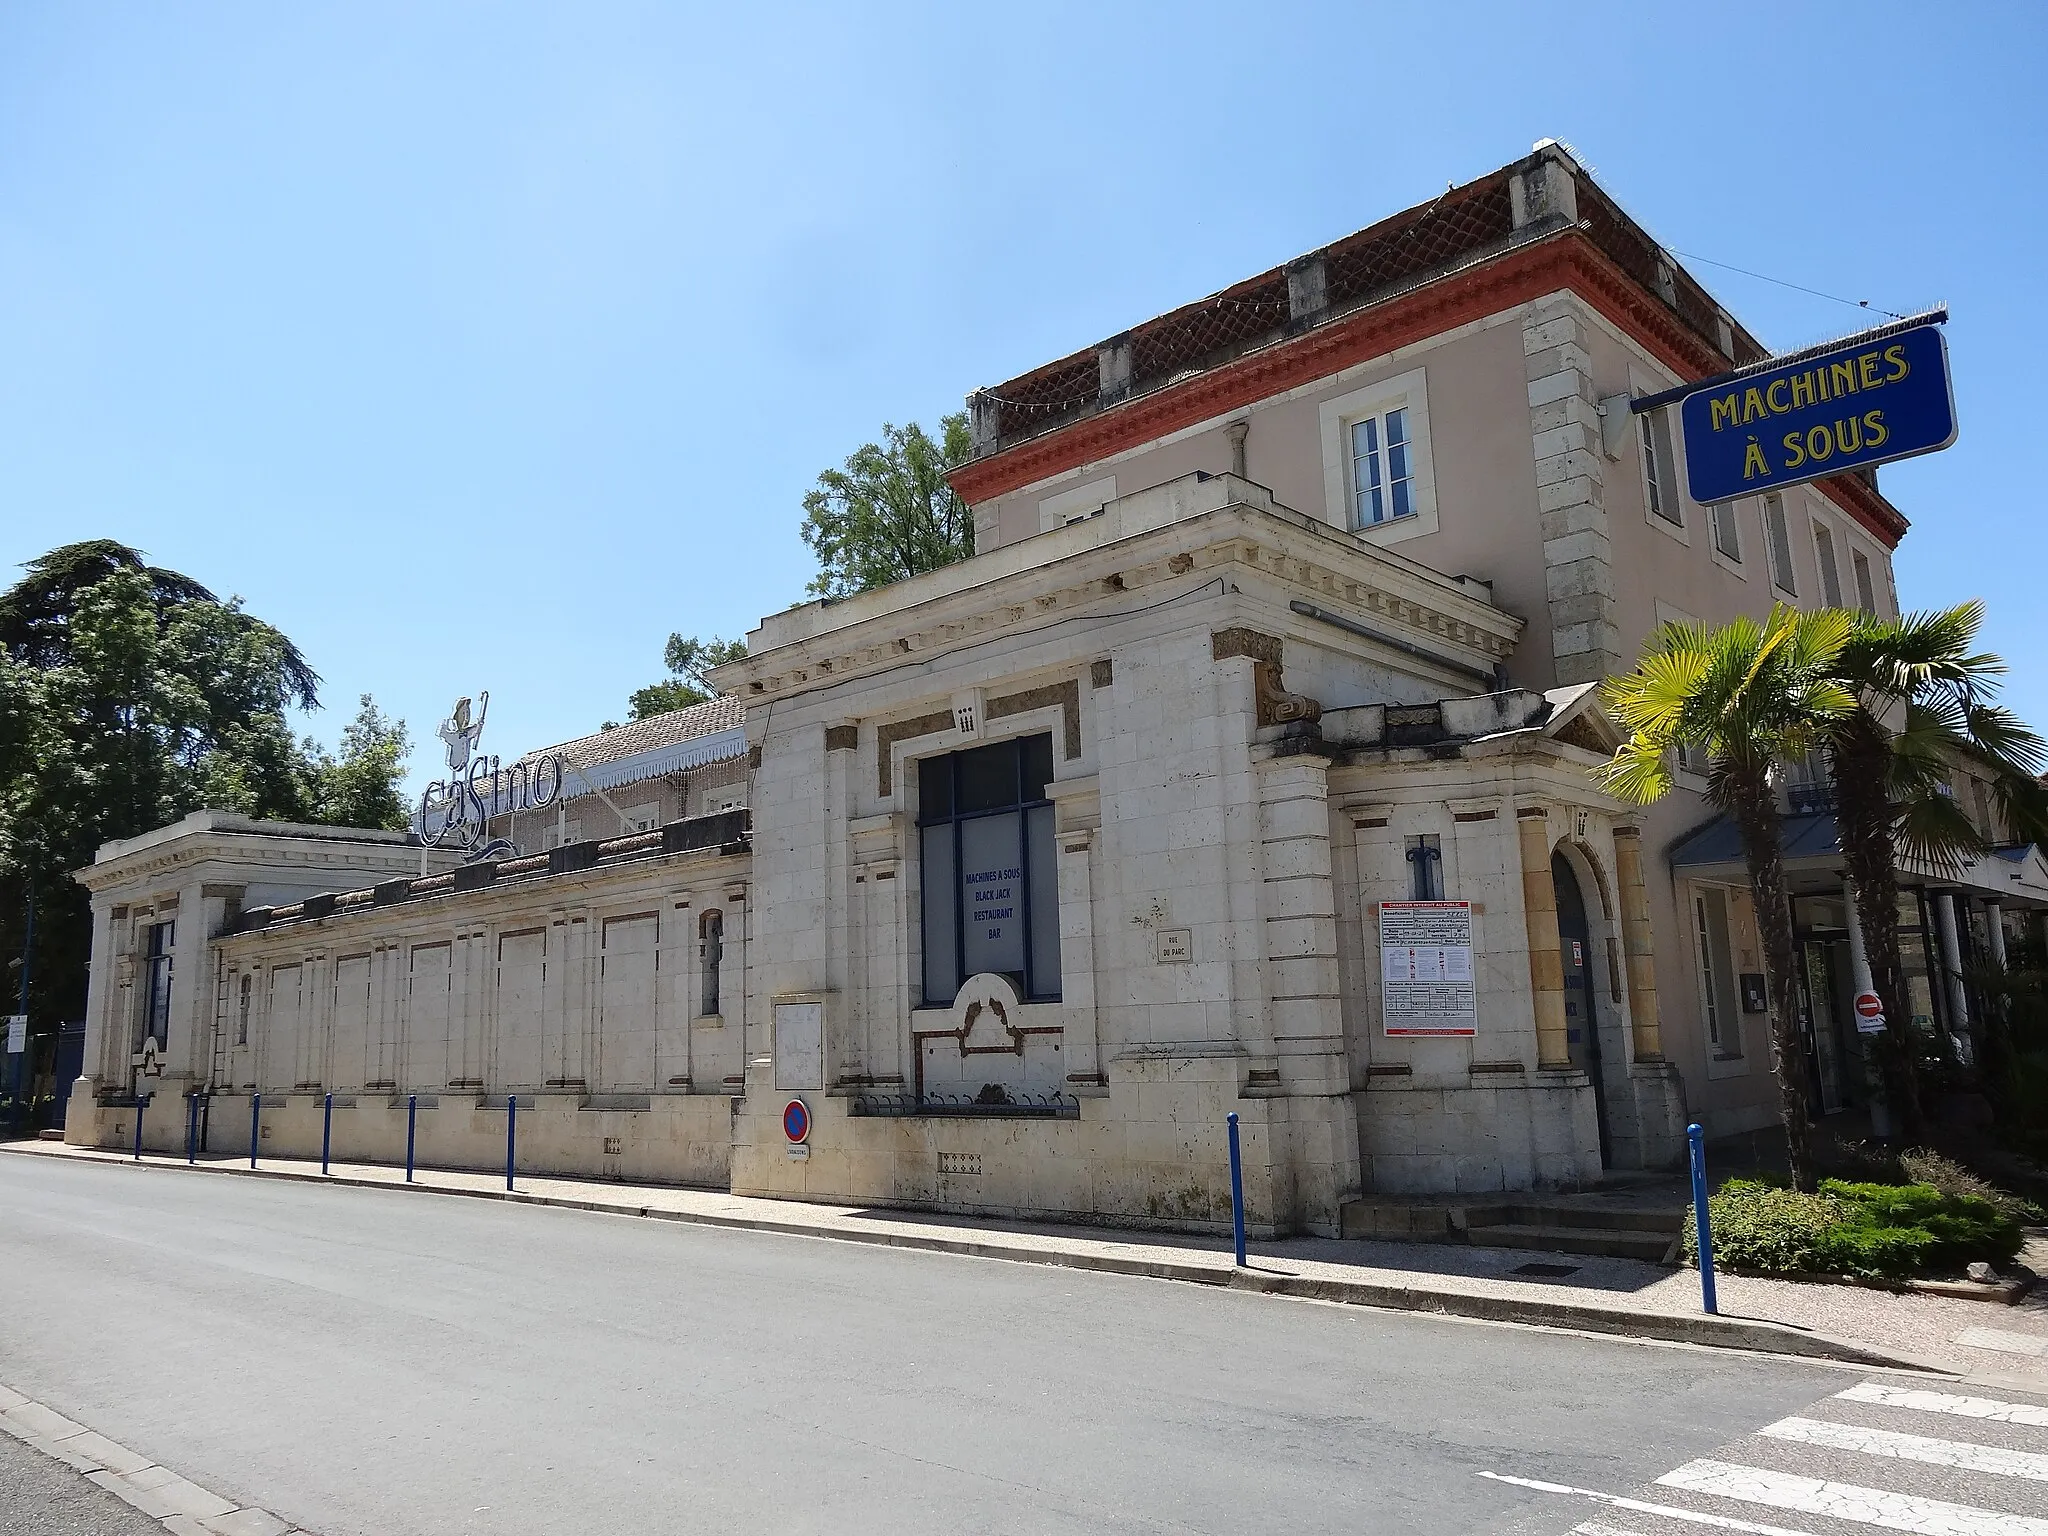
{"points": [[991, 888], [1866, 598], [1717, 972], [1778, 539], [1382, 468], [570, 831], [1660, 468], [1726, 537], [642, 818], [242, 1015], [156, 1016], [1425, 868], [1824, 556], [1377, 479], [710, 955]]}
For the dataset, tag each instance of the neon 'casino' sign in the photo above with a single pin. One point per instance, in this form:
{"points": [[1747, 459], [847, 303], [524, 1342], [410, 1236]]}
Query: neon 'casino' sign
{"points": [[455, 812]]}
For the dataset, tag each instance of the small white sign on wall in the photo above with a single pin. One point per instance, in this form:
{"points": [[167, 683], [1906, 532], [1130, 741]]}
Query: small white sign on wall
{"points": [[1426, 982], [799, 1046], [17, 1033]]}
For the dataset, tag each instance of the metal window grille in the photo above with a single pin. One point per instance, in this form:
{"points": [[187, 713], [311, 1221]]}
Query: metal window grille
{"points": [[1425, 868]]}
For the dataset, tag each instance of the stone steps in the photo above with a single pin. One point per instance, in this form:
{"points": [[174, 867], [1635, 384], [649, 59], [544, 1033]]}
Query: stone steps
{"points": [[1566, 1224]]}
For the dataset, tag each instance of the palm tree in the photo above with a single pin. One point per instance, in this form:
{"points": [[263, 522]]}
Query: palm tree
{"points": [[1923, 708], [1752, 695]]}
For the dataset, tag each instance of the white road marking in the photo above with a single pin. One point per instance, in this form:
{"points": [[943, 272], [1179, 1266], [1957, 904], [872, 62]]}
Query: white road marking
{"points": [[1989, 1408], [1666, 1511], [2004, 1341], [1846, 1501], [1961, 1454]]}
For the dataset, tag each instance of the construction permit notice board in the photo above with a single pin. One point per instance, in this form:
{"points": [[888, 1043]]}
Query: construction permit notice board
{"points": [[1426, 968]]}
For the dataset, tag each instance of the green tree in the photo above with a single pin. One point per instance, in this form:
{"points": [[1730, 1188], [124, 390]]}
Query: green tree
{"points": [[130, 695], [1924, 708], [359, 788], [1752, 696], [890, 513], [689, 661]]}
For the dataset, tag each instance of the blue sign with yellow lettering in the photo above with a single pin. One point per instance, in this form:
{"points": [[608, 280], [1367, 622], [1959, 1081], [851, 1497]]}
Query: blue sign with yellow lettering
{"points": [[1864, 402]]}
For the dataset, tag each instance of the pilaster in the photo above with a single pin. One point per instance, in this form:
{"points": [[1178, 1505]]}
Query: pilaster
{"points": [[1539, 913], [1637, 944]]}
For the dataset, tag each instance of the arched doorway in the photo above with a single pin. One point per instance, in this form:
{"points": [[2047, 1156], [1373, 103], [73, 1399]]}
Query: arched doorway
{"points": [[1581, 1018]]}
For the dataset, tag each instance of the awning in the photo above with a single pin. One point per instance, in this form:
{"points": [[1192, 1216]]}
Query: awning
{"points": [[1812, 846], [718, 746]]}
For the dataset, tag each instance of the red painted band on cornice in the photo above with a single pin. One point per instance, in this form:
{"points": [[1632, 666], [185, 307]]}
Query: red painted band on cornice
{"points": [[1567, 260]]}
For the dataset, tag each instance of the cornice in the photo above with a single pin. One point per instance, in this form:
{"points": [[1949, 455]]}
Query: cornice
{"points": [[1233, 538], [260, 856], [1566, 260]]}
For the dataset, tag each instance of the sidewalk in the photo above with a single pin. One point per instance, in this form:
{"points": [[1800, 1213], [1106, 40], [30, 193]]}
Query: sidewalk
{"points": [[1604, 1295]]}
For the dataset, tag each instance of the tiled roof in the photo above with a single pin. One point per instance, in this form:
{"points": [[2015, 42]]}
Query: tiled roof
{"points": [[723, 712]]}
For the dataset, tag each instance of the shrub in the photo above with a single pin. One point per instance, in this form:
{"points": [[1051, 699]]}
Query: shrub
{"points": [[1922, 1166], [1872, 1231], [1760, 1227]]}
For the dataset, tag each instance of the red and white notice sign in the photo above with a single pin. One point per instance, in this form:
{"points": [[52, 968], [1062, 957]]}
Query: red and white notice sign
{"points": [[1426, 984]]}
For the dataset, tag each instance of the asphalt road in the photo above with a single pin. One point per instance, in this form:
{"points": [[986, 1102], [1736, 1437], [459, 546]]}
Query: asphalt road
{"points": [[366, 1361]]}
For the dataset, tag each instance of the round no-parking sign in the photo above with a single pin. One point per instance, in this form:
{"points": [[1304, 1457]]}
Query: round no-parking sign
{"points": [[796, 1121]]}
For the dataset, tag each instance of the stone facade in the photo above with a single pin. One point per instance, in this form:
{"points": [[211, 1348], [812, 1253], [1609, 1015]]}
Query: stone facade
{"points": [[1243, 714]]}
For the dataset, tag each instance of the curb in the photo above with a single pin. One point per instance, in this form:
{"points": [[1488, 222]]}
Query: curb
{"points": [[1705, 1329], [183, 1507]]}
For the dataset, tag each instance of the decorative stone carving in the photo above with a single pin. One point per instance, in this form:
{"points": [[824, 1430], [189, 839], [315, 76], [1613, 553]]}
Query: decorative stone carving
{"points": [[1276, 706]]}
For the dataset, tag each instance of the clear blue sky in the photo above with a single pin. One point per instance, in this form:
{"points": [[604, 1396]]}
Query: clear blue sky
{"points": [[483, 345]]}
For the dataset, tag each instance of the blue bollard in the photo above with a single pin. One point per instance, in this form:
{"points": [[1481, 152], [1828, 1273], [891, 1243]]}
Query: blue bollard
{"points": [[511, 1133], [139, 1103], [326, 1131], [1236, 1191], [1696, 1139], [412, 1123], [255, 1125]]}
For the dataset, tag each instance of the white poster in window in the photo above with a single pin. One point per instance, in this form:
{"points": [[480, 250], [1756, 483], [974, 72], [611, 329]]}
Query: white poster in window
{"points": [[799, 1046], [1426, 985]]}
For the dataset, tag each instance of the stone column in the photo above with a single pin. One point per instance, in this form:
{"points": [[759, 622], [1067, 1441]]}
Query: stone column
{"points": [[1546, 964], [1637, 944], [1994, 930], [1952, 972], [1861, 982]]}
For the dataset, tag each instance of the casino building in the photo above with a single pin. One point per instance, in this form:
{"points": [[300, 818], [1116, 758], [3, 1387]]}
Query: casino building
{"points": [[1244, 768]]}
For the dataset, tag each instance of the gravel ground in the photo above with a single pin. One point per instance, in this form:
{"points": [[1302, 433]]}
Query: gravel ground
{"points": [[1921, 1327], [42, 1497]]}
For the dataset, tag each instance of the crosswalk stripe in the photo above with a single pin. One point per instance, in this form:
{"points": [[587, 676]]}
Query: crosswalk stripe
{"points": [[1846, 1501], [1643, 1506], [1961, 1454], [1944, 1402]]}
